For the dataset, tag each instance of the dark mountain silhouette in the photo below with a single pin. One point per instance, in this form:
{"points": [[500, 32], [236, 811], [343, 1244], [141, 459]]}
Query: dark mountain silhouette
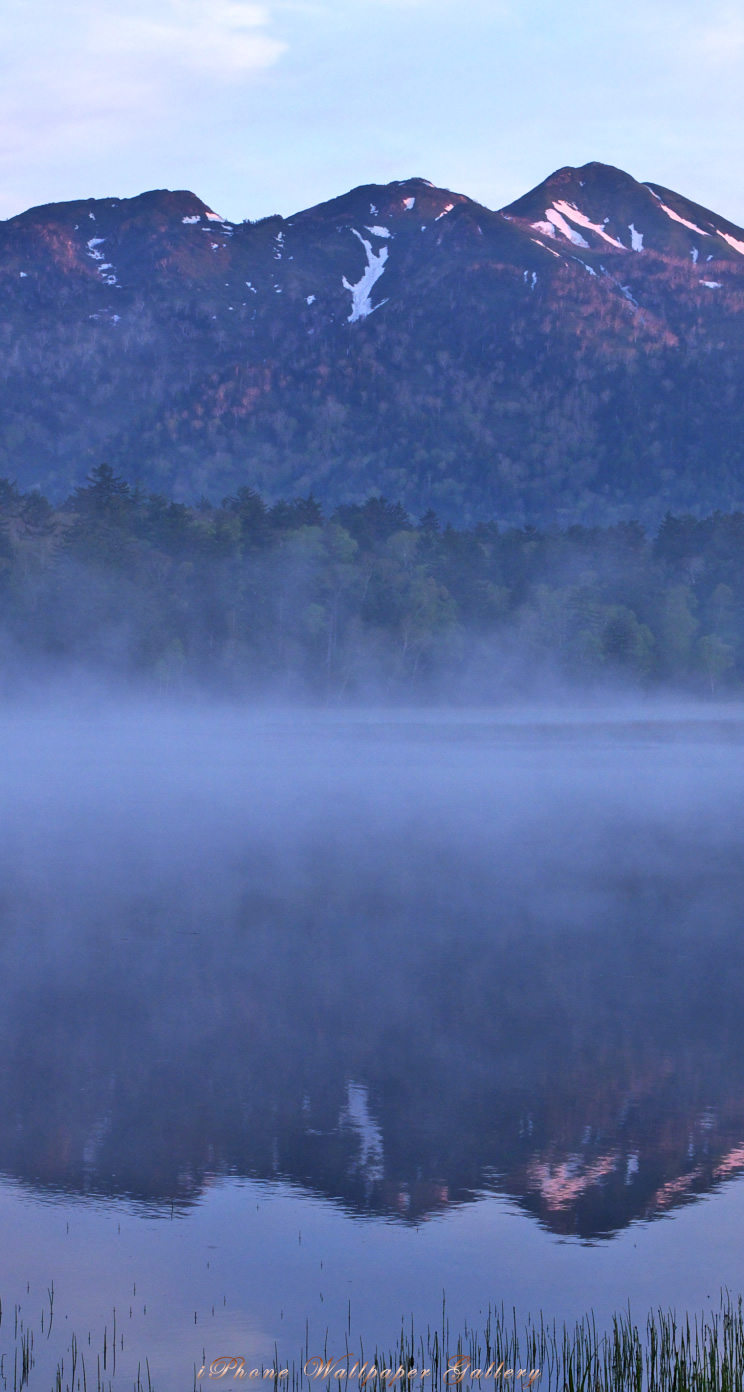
{"points": [[574, 356]]}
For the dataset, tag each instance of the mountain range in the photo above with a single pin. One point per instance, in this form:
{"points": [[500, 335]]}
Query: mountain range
{"points": [[575, 356]]}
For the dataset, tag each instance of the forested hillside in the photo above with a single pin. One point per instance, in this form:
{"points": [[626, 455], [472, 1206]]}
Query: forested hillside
{"points": [[576, 357]]}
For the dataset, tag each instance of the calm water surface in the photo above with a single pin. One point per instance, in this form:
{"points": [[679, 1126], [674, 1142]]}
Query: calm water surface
{"points": [[305, 1020]]}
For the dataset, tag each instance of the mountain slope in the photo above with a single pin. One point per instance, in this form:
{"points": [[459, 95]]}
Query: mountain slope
{"points": [[576, 355]]}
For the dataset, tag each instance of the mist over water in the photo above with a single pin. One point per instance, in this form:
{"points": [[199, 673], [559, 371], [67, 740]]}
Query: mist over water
{"points": [[385, 971]]}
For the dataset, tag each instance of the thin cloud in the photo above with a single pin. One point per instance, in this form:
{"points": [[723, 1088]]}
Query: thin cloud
{"points": [[86, 80], [224, 36], [99, 60]]}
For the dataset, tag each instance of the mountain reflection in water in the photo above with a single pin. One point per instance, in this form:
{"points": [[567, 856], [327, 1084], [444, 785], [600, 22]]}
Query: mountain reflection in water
{"points": [[395, 972]]}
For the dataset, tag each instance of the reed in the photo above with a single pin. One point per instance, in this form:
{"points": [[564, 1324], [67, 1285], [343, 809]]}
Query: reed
{"points": [[669, 1353]]}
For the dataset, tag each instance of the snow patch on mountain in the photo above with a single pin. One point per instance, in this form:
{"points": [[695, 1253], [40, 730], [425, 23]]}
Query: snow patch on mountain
{"points": [[361, 304], [694, 254], [546, 228], [636, 238], [195, 218], [738, 246], [105, 269], [712, 284], [570, 211], [676, 218], [559, 221], [625, 290], [590, 269], [378, 231], [444, 212], [409, 203]]}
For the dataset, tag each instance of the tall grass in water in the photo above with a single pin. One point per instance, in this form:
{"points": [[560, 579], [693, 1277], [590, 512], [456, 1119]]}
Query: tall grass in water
{"points": [[703, 1353]]}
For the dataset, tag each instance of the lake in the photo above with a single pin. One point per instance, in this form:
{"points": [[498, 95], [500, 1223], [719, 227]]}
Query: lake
{"points": [[309, 1019]]}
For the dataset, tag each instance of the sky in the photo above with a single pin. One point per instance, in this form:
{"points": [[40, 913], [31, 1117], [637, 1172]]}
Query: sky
{"points": [[272, 107]]}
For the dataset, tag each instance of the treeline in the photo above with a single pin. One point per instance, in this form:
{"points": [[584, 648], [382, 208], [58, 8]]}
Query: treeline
{"points": [[243, 597]]}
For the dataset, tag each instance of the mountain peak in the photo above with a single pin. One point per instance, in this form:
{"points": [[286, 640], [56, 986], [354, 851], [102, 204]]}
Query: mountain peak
{"points": [[598, 207], [168, 202], [389, 201], [400, 338]]}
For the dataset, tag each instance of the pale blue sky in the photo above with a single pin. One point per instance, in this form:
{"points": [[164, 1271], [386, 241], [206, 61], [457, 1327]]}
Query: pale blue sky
{"points": [[269, 107]]}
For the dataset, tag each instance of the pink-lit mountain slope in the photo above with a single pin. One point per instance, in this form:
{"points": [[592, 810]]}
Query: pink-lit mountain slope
{"points": [[577, 355]]}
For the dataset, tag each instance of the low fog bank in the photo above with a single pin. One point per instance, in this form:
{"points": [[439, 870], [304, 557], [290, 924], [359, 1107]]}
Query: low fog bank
{"points": [[147, 809], [117, 795]]}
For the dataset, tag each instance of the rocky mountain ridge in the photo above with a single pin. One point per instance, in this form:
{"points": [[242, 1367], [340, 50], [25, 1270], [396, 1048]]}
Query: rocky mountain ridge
{"points": [[574, 356]]}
